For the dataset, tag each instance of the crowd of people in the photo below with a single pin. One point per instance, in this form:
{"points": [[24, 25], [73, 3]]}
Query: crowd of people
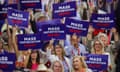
{"points": [[67, 55]]}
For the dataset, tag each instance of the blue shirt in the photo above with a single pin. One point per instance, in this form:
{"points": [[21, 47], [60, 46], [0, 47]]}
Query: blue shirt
{"points": [[72, 51]]}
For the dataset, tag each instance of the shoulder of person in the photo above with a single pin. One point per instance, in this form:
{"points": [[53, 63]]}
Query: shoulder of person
{"points": [[68, 47], [106, 53], [81, 45], [66, 58], [88, 70]]}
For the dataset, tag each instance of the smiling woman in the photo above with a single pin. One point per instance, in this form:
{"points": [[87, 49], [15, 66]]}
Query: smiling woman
{"points": [[79, 65], [98, 48]]}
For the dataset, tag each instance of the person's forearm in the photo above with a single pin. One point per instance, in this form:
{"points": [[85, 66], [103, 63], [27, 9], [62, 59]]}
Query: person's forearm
{"points": [[116, 36]]}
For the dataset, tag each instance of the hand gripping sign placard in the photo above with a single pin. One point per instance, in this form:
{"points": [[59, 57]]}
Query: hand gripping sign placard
{"points": [[67, 9], [29, 41], [76, 27], [18, 18], [103, 21], [56, 31]]}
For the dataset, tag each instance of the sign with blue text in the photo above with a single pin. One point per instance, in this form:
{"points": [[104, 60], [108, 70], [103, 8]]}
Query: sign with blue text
{"points": [[67, 9], [53, 32], [103, 21], [76, 27], [97, 62], [7, 62], [29, 41], [31, 4], [18, 18]]}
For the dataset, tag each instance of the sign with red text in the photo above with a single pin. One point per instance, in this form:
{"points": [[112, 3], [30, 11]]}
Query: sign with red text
{"points": [[97, 62], [29, 41], [56, 31], [76, 27], [30, 4], [67, 9], [18, 18], [103, 21]]}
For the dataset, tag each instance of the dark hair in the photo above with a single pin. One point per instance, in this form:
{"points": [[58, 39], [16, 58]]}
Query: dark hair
{"points": [[29, 65]]}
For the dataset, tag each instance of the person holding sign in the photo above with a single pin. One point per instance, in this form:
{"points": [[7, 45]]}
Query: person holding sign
{"points": [[79, 65], [60, 55], [104, 38], [22, 56], [98, 48]]}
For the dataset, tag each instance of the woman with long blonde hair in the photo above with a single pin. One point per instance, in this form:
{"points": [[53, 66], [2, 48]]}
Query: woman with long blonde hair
{"points": [[98, 48], [79, 64]]}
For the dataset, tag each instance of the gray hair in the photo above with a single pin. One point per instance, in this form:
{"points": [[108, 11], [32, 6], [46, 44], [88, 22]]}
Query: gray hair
{"points": [[102, 35]]}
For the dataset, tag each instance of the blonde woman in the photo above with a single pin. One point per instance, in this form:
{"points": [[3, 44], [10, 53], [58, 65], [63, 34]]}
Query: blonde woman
{"points": [[57, 66], [79, 65], [98, 48]]}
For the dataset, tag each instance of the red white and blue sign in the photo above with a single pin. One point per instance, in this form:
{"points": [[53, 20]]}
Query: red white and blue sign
{"points": [[18, 18], [103, 21], [31, 4], [97, 62], [7, 62], [4, 6], [67, 9], [76, 27], [53, 32], [29, 41]]}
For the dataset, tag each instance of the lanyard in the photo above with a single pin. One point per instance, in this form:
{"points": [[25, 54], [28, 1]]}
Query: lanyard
{"points": [[73, 53], [65, 64]]}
